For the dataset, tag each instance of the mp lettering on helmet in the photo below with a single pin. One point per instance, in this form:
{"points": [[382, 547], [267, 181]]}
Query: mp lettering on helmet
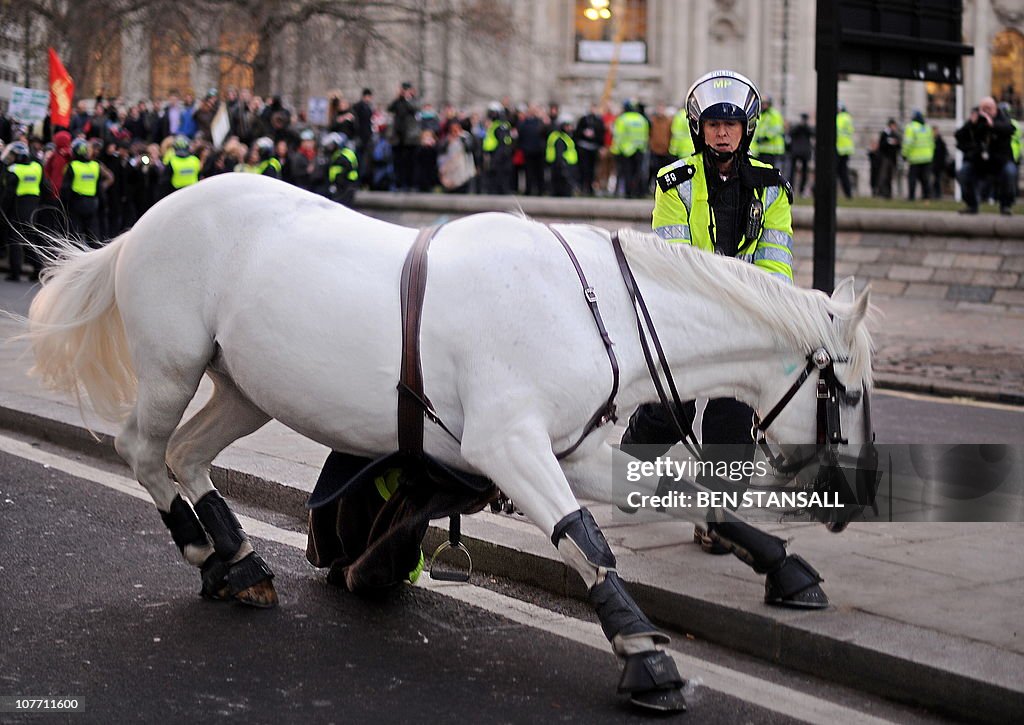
{"points": [[721, 83]]}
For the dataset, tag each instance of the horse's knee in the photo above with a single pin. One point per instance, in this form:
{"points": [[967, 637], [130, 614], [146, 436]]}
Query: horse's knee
{"points": [[580, 542]]}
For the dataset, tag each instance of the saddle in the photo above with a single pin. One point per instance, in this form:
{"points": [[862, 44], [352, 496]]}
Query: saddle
{"points": [[367, 534]]}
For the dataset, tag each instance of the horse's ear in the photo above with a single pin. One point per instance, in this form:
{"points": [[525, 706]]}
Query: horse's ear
{"points": [[861, 306], [844, 292]]}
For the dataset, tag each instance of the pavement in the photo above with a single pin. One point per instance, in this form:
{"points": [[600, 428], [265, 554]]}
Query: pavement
{"points": [[925, 613]]}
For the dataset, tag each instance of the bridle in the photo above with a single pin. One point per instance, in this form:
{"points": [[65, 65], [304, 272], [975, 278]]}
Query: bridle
{"points": [[832, 465], [831, 392]]}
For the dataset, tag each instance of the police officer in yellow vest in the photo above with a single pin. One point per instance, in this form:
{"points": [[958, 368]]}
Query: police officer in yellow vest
{"points": [[23, 185], [630, 135], [182, 167], [342, 169], [844, 148], [266, 164], [681, 144], [770, 142], [919, 151], [81, 189], [722, 202], [561, 157], [497, 147]]}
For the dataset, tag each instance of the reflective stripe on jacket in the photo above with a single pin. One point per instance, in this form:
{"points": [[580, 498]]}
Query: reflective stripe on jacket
{"points": [[30, 178], [86, 177], [550, 153], [683, 214], [337, 167], [490, 143], [274, 164]]}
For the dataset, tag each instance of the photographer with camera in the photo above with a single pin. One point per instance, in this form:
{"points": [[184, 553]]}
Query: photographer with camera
{"points": [[988, 156]]}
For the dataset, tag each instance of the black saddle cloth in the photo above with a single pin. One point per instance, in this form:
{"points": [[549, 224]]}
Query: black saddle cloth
{"points": [[371, 543]]}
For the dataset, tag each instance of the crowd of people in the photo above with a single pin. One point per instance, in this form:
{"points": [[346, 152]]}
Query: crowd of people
{"points": [[114, 160]]}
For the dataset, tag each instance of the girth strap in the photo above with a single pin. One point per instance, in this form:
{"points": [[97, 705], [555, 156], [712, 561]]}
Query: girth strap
{"points": [[412, 402]]}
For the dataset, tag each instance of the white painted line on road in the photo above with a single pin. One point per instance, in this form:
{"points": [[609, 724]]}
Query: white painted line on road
{"points": [[955, 400], [784, 700]]}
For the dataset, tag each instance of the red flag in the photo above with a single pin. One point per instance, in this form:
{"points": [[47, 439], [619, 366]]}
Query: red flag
{"points": [[62, 91]]}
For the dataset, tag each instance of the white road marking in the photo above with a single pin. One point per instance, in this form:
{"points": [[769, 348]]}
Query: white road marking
{"points": [[955, 400], [784, 700]]}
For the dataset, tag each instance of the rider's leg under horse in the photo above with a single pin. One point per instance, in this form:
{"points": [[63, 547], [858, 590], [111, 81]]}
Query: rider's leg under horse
{"points": [[521, 463], [790, 581], [230, 568]]}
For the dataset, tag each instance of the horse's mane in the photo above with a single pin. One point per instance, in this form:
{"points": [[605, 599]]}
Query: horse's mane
{"points": [[795, 317]]}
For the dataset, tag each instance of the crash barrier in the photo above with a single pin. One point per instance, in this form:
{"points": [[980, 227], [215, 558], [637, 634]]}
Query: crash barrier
{"points": [[970, 260]]}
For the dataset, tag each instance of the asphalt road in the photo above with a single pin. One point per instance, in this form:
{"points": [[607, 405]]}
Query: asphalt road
{"points": [[96, 604]]}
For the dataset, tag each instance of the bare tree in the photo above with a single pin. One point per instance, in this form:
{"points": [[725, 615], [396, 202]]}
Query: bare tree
{"points": [[79, 29]]}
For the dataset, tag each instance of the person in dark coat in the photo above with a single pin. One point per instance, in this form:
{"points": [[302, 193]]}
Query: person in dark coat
{"points": [[988, 156], [801, 149], [405, 135]]}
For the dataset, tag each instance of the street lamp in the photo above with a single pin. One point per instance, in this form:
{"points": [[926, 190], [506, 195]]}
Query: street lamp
{"points": [[598, 10]]}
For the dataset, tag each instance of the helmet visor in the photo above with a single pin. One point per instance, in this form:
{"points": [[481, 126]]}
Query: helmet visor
{"points": [[724, 98]]}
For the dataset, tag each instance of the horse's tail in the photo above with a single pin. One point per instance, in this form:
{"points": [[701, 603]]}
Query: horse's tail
{"points": [[75, 329]]}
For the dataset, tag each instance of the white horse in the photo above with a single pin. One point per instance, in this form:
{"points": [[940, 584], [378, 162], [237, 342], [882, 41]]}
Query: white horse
{"points": [[290, 303]]}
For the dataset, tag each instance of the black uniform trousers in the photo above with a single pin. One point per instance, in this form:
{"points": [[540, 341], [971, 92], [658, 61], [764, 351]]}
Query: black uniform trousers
{"points": [[23, 236]]}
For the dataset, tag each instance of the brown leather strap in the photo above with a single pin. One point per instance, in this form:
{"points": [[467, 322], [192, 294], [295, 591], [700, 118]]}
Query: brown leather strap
{"points": [[607, 412], [412, 403]]}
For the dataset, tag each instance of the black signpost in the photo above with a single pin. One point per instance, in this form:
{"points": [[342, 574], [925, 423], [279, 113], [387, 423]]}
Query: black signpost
{"points": [[913, 39]]}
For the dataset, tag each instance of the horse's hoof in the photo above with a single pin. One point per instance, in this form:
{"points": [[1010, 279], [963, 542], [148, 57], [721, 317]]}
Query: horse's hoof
{"points": [[660, 700], [261, 595], [653, 682], [795, 585]]}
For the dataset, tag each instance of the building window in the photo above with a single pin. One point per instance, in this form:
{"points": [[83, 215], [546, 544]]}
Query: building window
{"points": [[1008, 69], [941, 100], [606, 26]]}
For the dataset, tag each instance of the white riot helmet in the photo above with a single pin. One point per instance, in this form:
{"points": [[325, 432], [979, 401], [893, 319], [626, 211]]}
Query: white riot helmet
{"points": [[722, 95]]}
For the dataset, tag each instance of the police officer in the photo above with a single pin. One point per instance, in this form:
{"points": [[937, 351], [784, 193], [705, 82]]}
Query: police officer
{"points": [[182, 167], [23, 186], [721, 201], [630, 135], [770, 141], [844, 148], [681, 145], [919, 151], [498, 148], [342, 169], [80, 191], [267, 164], [560, 155]]}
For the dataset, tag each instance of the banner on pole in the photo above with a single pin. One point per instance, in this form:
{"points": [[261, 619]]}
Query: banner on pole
{"points": [[62, 92]]}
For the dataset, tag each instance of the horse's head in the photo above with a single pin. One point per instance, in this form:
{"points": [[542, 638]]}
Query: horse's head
{"points": [[815, 408]]}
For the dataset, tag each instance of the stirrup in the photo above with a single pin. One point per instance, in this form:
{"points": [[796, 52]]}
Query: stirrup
{"points": [[449, 573], [708, 544]]}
